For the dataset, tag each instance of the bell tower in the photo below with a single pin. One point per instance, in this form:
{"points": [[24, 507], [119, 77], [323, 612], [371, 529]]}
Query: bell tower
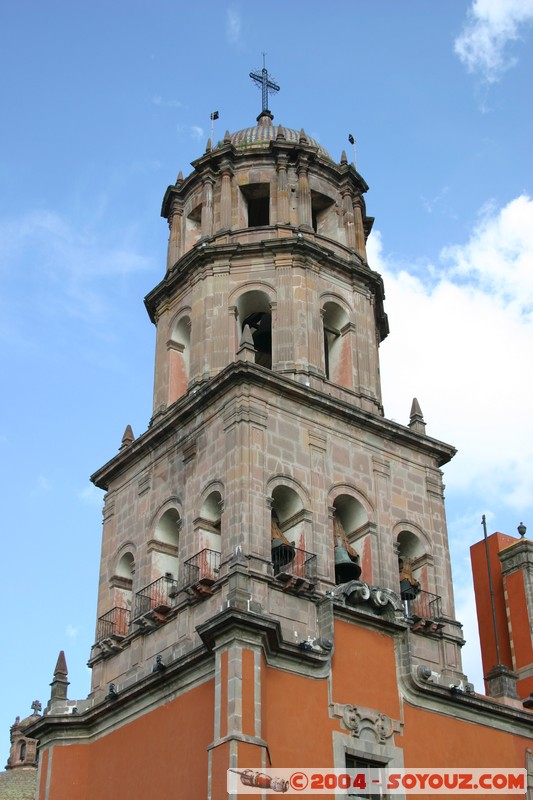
{"points": [[270, 512]]}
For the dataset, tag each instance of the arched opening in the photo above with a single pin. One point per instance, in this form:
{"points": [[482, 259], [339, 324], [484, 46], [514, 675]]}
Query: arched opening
{"points": [[336, 348], [123, 589], [193, 227], [22, 751], [253, 309], [287, 532], [350, 522], [179, 358], [202, 570], [165, 547], [209, 523], [410, 557]]}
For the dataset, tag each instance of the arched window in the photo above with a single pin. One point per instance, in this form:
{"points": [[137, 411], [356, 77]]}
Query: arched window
{"points": [[411, 555], [22, 751], [287, 531], [165, 545], [122, 585], [209, 522], [179, 358], [253, 309], [350, 522], [336, 345]]}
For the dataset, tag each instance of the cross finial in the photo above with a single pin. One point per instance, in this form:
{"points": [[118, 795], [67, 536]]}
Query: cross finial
{"points": [[264, 80]]}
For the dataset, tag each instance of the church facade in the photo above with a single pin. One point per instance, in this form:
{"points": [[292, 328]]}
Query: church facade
{"points": [[275, 584]]}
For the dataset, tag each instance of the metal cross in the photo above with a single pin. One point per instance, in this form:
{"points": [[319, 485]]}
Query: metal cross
{"points": [[264, 80]]}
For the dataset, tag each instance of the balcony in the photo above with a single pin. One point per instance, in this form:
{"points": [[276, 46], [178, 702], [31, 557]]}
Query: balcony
{"points": [[200, 572], [157, 598], [113, 624], [425, 611], [299, 572]]}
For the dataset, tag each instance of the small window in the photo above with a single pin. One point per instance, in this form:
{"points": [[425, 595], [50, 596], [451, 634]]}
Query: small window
{"points": [[360, 764], [257, 196]]}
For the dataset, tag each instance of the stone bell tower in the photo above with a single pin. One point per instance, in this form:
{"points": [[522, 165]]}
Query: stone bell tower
{"points": [[270, 497]]}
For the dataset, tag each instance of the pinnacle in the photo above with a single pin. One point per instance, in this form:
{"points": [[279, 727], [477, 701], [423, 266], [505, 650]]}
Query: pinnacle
{"points": [[61, 670]]}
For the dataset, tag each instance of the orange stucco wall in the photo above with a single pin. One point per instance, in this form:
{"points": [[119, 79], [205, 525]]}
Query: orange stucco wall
{"points": [[162, 754], [364, 669], [165, 753]]}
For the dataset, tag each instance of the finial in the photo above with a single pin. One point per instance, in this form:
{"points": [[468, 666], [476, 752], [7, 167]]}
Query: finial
{"points": [[267, 85], [36, 707], [59, 682], [522, 530], [344, 160], [179, 179], [281, 133], [208, 147], [128, 438], [61, 670], [303, 137], [246, 351], [416, 419], [227, 138]]}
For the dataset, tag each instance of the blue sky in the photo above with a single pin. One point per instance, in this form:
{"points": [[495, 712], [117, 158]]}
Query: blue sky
{"points": [[103, 103]]}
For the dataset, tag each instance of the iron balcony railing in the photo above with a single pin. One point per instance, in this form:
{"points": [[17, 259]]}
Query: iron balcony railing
{"points": [[425, 605], [302, 565], [159, 596], [203, 568], [114, 623]]}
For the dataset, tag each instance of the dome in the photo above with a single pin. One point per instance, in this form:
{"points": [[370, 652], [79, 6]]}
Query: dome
{"points": [[265, 132]]}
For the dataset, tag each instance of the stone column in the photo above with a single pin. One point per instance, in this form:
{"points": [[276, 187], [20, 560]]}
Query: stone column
{"points": [[360, 244], [282, 190], [225, 197], [304, 194], [387, 565], [348, 218], [175, 238], [207, 207]]}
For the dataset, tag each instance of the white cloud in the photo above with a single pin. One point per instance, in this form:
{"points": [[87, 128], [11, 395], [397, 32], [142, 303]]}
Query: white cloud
{"points": [[72, 631], [72, 267], [197, 132], [490, 28], [461, 342], [160, 101], [91, 495], [233, 25], [43, 483]]}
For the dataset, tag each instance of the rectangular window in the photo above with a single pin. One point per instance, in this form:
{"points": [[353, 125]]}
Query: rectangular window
{"points": [[357, 763]]}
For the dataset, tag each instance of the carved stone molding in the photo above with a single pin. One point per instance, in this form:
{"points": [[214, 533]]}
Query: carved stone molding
{"points": [[358, 719], [376, 598]]}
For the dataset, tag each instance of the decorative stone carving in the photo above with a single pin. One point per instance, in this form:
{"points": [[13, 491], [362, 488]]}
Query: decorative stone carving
{"points": [[375, 598], [357, 719]]}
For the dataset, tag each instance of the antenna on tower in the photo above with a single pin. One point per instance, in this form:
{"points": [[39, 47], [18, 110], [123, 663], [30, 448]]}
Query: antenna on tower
{"points": [[267, 85], [214, 116]]}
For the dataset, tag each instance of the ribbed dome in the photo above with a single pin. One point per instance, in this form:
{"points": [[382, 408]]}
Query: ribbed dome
{"points": [[264, 132]]}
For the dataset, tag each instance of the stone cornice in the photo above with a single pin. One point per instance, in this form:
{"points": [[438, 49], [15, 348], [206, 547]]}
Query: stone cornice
{"points": [[307, 248], [201, 396]]}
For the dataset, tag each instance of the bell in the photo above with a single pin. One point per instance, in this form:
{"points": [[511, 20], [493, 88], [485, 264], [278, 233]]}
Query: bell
{"points": [[345, 568], [282, 554]]}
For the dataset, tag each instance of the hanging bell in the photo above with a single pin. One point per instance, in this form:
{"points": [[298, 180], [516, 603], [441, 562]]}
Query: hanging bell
{"points": [[346, 568], [282, 554]]}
